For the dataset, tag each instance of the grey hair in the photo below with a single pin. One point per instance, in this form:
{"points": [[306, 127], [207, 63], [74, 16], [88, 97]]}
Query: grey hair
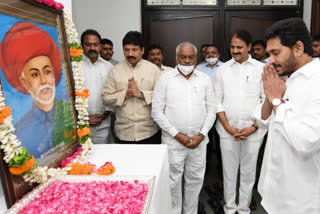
{"points": [[183, 44]]}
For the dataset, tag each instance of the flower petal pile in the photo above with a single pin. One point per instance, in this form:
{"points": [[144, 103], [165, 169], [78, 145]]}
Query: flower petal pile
{"points": [[90, 197]]}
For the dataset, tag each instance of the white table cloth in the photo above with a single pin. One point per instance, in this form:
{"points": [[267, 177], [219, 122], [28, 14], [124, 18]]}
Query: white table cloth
{"points": [[139, 160]]}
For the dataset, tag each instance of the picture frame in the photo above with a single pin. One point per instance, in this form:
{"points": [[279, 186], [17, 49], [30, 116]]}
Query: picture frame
{"points": [[51, 131]]}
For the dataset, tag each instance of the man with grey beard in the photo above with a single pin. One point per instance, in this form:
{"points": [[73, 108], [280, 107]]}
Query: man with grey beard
{"points": [[35, 68]]}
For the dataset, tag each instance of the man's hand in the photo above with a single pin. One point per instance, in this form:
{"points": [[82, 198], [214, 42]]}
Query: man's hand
{"points": [[182, 138], [195, 141], [274, 87], [244, 133], [231, 129], [133, 87], [96, 119]]}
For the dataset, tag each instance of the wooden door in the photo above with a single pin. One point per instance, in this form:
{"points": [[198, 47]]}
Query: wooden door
{"points": [[168, 26]]}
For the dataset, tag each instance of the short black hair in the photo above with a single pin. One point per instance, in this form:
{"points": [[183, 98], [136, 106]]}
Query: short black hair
{"points": [[154, 46], [204, 45], [105, 41], [316, 38], [90, 32], [133, 38], [243, 35], [259, 42], [289, 32], [213, 45]]}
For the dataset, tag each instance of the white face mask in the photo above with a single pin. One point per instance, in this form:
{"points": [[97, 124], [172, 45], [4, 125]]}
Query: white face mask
{"points": [[185, 69], [212, 61]]}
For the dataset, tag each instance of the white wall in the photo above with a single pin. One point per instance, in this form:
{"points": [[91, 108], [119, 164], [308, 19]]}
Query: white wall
{"points": [[307, 8], [111, 18]]}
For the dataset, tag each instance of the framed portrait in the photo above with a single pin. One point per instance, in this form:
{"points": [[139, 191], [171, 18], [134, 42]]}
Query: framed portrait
{"points": [[37, 83]]}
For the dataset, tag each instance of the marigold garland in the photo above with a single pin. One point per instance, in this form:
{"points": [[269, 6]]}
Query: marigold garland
{"points": [[81, 169], [75, 52], [4, 113], [83, 132], [83, 94], [20, 170]]}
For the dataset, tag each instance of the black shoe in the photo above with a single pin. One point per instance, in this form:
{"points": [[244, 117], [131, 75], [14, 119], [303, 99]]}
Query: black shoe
{"points": [[201, 209], [216, 206]]}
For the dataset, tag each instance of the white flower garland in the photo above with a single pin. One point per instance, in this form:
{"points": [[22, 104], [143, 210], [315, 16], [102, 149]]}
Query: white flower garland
{"points": [[12, 146]]}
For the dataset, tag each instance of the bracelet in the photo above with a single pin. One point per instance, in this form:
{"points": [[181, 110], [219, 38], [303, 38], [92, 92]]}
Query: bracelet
{"points": [[254, 126]]}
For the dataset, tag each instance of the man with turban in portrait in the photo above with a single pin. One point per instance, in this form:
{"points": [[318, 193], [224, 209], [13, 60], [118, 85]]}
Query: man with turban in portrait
{"points": [[30, 61]]}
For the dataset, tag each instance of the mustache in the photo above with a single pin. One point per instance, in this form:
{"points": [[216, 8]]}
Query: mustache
{"points": [[236, 53], [92, 51], [131, 57], [276, 65]]}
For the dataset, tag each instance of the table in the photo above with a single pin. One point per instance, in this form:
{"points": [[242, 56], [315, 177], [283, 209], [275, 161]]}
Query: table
{"points": [[139, 160]]}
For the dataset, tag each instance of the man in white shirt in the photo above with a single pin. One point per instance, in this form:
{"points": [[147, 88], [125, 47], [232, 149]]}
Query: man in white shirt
{"points": [[183, 107], [238, 90], [155, 55], [290, 177], [95, 71]]}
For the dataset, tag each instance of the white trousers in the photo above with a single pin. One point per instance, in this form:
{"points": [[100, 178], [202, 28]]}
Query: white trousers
{"points": [[101, 135], [245, 154], [190, 163]]}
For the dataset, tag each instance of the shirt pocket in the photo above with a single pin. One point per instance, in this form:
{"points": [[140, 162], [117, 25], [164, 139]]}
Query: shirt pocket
{"points": [[253, 87]]}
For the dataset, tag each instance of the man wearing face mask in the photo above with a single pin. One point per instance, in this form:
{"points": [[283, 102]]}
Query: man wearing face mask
{"points": [[183, 107], [95, 70], [212, 61], [239, 90]]}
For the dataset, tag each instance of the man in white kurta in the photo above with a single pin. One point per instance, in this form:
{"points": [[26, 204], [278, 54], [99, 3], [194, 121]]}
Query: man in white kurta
{"points": [[183, 107], [290, 177], [238, 89], [95, 72]]}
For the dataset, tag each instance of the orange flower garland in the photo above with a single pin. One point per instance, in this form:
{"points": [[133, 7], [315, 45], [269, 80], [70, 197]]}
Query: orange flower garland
{"points": [[4, 113], [19, 170], [80, 169], [75, 52], [83, 94], [83, 132]]}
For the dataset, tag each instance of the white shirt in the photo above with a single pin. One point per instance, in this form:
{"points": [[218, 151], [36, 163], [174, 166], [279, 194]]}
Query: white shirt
{"points": [[290, 175], [181, 105], [239, 90], [95, 76], [165, 68]]}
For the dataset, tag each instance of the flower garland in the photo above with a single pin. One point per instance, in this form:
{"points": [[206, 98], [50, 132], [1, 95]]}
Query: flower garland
{"points": [[20, 162], [51, 3]]}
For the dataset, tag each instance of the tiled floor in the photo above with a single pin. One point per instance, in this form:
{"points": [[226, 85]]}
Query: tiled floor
{"points": [[212, 177]]}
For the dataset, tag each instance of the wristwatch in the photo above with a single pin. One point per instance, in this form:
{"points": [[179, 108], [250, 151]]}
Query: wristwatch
{"points": [[141, 96], [254, 126], [276, 102]]}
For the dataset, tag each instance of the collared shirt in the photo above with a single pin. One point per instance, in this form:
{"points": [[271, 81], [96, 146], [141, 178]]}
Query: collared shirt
{"points": [[290, 176], [205, 68], [265, 61], [239, 90], [95, 76], [181, 105], [165, 68], [113, 62], [133, 116], [51, 128]]}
